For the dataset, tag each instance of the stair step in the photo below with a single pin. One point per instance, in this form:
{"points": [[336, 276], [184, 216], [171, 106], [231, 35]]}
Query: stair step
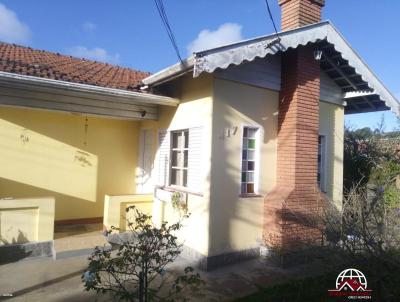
{"points": [[79, 245]]}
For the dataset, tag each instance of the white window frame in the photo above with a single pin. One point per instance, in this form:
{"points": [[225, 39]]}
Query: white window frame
{"points": [[256, 160], [322, 165], [182, 150]]}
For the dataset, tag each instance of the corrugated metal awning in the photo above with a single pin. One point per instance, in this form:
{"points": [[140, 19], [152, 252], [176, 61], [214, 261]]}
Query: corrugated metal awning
{"points": [[339, 61]]}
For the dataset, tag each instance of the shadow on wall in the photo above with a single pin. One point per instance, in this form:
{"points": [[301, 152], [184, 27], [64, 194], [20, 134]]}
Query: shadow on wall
{"points": [[74, 159], [35, 159], [10, 251]]}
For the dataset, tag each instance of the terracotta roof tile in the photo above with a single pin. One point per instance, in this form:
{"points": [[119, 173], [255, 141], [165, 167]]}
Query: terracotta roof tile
{"points": [[45, 64]]}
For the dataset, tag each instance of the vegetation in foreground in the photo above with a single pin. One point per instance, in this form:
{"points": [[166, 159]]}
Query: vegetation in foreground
{"points": [[365, 234], [139, 270]]}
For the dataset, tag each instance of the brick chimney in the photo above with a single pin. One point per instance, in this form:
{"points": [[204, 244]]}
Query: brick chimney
{"points": [[289, 208], [297, 13]]}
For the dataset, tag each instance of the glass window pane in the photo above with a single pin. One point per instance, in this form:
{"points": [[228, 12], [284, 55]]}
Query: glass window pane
{"points": [[243, 176], [175, 158], [250, 188], [250, 176], [185, 158], [184, 178], [251, 143], [244, 143], [186, 139], [244, 154], [245, 132], [244, 165], [250, 166], [251, 133], [251, 154], [175, 177], [244, 186], [177, 140]]}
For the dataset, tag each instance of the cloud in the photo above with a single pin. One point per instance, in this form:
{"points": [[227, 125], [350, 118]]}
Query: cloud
{"points": [[227, 33], [12, 30], [97, 53], [89, 26]]}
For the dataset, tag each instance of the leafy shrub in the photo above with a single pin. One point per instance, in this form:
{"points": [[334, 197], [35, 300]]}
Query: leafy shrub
{"points": [[138, 270]]}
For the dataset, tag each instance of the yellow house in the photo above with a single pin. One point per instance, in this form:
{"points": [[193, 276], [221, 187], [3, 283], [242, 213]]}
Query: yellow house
{"points": [[243, 132]]}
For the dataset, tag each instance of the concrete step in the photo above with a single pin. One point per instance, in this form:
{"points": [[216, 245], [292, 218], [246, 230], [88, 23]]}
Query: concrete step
{"points": [[71, 242]]}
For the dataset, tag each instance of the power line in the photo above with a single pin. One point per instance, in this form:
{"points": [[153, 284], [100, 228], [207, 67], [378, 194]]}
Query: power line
{"points": [[164, 19], [271, 17]]}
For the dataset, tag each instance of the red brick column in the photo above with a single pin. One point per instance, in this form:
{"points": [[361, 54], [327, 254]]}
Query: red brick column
{"points": [[297, 13], [294, 201]]}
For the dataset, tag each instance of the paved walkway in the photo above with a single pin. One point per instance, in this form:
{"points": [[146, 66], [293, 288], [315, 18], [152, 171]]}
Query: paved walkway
{"points": [[60, 280], [78, 239]]}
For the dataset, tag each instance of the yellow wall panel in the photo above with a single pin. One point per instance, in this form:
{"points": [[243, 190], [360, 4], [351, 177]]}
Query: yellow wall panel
{"points": [[45, 153]]}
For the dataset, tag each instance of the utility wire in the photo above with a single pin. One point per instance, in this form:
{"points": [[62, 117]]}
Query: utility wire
{"points": [[271, 17], [164, 19]]}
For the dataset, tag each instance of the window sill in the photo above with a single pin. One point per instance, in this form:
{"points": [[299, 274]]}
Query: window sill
{"points": [[251, 195], [179, 189]]}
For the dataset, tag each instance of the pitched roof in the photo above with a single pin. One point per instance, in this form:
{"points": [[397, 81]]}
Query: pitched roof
{"points": [[44, 64], [339, 61]]}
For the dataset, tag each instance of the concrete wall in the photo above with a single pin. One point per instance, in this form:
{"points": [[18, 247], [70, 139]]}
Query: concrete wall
{"points": [[45, 153], [236, 222], [115, 206], [331, 124], [26, 220]]}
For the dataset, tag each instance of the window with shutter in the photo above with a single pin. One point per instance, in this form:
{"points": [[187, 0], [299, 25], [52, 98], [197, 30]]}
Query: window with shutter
{"points": [[180, 159], [163, 158], [195, 159]]}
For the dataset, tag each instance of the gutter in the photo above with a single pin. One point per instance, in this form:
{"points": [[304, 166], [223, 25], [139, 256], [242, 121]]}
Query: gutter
{"points": [[171, 72], [36, 82]]}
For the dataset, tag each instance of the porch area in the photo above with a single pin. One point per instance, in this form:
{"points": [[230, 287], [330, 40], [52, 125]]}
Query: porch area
{"points": [[27, 227]]}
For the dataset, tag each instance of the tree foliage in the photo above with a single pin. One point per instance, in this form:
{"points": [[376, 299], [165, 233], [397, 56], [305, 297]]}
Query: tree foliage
{"points": [[372, 157]]}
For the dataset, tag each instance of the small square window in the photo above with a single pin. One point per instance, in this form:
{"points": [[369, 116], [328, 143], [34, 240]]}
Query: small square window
{"points": [[250, 188], [244, 154], [251, 143], [249, 160], [250, 166]]}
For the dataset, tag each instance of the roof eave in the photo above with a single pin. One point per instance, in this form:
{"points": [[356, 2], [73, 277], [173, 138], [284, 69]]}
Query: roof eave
{"points": [[246, 51], [170, 72], [145, 98]]}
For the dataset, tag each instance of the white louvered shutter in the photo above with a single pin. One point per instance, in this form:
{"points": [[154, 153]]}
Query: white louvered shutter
{"points": [[163, 158], [195, 159]]}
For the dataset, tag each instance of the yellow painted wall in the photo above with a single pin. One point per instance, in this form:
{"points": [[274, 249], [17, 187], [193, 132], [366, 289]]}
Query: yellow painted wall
{"points": [[194, 110], [115, 206], [26, 220], [43, 153], [331, 124], [236, 222]]}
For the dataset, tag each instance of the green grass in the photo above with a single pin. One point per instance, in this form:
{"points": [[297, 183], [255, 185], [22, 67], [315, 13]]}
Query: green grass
{"points": [[315, 289], [308, 289]]}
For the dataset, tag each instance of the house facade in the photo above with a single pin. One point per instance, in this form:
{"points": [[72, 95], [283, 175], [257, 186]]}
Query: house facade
{"points": [[247, 134]]}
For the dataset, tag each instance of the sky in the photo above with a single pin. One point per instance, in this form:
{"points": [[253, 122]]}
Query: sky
{"points": [[130, 32]]}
